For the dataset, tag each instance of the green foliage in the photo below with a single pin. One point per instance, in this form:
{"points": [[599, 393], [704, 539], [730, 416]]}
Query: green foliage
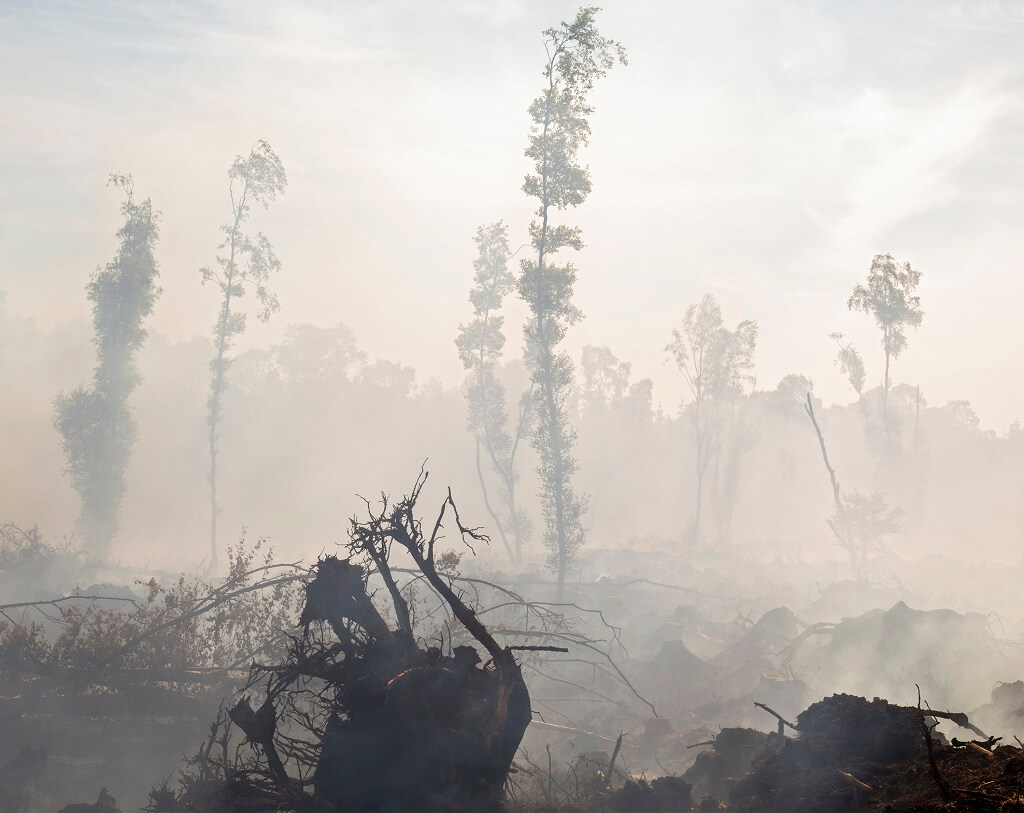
{"points": [[175, 630], [480, 345], [715, 362], [577, 57], [95, 424], [248, 262], [889, 298], [25, 553]]}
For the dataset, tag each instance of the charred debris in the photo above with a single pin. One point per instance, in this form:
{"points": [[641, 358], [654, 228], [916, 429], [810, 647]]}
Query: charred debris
{"points": [[367, 682], [383, 679], [359, 715]]}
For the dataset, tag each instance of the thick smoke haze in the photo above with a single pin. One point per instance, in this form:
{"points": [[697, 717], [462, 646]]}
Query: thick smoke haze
{"points": [[699, 321], [763, 152]]}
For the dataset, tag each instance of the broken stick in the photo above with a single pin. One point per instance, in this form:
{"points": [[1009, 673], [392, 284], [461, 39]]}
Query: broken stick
{"points": [[611, 763], [782, 720], [853, 780]]}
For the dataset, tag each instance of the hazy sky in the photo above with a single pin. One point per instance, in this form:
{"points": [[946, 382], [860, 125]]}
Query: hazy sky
{"points": [[759, 151]]}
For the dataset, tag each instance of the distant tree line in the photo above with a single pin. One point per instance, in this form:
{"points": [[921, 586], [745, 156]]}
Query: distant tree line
{"points": [[723, 410]]}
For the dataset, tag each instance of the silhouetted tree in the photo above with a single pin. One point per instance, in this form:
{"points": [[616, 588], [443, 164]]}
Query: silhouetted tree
{"points": [[577, 55], [309, 354], [96, 425], [889, 298], [605, 378], [480, 346], [863, 524], [248, 261], [850, 362], [715, 363]]}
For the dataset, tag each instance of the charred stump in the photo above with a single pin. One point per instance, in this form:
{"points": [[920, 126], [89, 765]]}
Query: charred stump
{"points": [[413, 728], [361, 716]]}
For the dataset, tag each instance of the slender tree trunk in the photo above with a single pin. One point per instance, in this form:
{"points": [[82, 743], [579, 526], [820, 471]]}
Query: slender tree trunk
{"points": [[510, 473], [513, 513], [490, 450], [700, 502], [487, 504], [554, 429], [216, 393], [555, 445], [216, 389], [917, 420], [885, 395], [213, 501], [844, 533], [699, 436]]}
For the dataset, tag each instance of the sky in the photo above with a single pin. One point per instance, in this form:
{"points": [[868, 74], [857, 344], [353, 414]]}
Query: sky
{"points": [[759, 151]]}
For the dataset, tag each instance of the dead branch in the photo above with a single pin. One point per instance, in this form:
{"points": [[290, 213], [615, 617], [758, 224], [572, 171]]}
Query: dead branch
{"points": [[853, 780], [926, 732], [987, 744], [957, 717], [56, 602], [782, 720], [611, 762], [572, 730], [837, 494]]}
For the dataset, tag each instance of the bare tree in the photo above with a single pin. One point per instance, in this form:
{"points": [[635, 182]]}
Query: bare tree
{"points": [[248, 261]]}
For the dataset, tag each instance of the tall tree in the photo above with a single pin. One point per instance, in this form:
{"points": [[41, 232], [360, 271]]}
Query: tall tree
{"points": [[577, 56], [889, 298], [480, 346], [95, 424], [715, 363], [248, 261]]}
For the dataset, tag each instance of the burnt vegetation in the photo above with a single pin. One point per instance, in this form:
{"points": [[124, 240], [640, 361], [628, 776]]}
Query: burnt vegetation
{"points": [[680, 609]]}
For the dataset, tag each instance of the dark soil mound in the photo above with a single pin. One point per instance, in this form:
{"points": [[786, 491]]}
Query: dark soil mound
{"points": [[667, 794], [716, 772], [855, 754], [844, 740]]}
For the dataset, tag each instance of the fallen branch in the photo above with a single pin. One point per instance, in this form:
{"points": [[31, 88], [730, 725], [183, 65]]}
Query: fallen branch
{"points": [[988, 744], [853, 780], [957, 717], [572, 730], [782, 720]]}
